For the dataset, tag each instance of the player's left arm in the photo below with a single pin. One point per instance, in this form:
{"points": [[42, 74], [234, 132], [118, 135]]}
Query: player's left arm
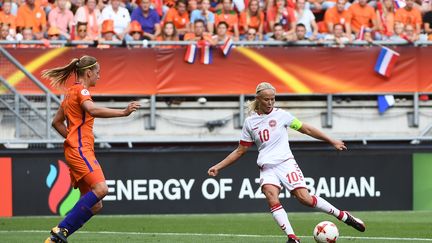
{"points": [[316, 133], [103, 112], [59, 122]]}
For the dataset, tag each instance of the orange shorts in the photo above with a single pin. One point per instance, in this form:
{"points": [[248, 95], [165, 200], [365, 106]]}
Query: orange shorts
{"points": [[84, 168]]}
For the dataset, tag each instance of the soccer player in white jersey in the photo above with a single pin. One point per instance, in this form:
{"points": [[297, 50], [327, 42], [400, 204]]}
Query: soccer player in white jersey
{"points": [[266, 127]]}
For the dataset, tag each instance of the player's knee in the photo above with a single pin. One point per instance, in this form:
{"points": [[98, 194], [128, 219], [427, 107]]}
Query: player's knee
{"points": [[101, 190], [271, 194], [97, 207]]}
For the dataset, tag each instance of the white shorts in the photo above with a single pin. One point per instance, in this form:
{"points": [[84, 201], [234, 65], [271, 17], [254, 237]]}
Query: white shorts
{"points": [[287, 173]]}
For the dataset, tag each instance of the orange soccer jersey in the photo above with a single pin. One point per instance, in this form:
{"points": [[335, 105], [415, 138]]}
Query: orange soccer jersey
{"points": [[412, 16], [27, 17], [361, 16], [79, 144], [332, 15], [180, 21], [8, 19], [251, 22]]}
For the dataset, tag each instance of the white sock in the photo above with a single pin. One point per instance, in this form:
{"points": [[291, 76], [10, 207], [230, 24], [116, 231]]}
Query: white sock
{"points": [[321, 204], [281, 218]]}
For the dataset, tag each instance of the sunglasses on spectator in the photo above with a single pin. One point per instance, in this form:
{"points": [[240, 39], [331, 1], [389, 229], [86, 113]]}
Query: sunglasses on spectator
{"points": [[135, 32], [82, 30], [56, 35], [251, 33]]}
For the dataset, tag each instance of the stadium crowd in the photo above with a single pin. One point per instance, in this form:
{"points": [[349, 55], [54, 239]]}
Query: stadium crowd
{"points": [[215, 21]]}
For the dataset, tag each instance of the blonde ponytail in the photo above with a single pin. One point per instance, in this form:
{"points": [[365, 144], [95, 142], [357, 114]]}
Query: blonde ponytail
{"points": [[252, 106], [60, 75]]}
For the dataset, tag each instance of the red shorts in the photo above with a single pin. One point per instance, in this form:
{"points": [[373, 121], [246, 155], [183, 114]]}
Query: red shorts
{"points": [[85, 170]]}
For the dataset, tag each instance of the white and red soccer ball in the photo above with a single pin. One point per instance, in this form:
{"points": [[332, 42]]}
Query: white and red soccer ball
{"points": [[326, 232]]}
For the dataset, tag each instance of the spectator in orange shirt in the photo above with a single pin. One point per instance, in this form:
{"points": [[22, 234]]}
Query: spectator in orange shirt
{"points": [[409, 15], [229, 16], [281, 14], [385, 17], [179, 16], [337, 15], [7, 17], [168, 33], [32, 16], [361, 14], [252, 17], [199, 33]]}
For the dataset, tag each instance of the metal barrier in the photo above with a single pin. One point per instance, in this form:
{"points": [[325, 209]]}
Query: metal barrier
{"points": [[149, 44], [33, 114]]}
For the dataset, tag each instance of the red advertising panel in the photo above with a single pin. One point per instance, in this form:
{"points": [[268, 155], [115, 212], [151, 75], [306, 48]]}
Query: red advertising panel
{"points": [[299, 70], [5, 187]]}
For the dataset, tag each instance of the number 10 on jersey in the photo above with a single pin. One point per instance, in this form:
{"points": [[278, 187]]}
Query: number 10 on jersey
{"points": [[264, 135]]}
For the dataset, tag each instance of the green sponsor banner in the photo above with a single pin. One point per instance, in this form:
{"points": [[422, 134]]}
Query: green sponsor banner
{"points": [[422, 181]]}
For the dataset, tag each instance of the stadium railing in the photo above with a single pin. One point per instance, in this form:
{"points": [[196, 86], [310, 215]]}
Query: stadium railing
{"points": [[149, 44]]}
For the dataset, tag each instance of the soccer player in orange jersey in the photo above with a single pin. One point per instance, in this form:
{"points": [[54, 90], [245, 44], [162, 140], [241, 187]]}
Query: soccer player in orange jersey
{"points": [[79, 111]]}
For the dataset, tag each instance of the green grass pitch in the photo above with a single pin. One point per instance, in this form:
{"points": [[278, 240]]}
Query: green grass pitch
{"points": [[400, 226]]}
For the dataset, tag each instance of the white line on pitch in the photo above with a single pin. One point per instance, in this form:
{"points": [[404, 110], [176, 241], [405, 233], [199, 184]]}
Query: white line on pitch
{"points": [[215, 235]]}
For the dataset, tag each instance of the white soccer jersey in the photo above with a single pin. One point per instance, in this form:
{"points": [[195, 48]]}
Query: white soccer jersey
{"points": [[269, 133]]}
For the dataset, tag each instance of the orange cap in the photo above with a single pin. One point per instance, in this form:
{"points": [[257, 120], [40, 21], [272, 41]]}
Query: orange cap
{"points": [[135, 26], [53, 31], [108, 26]]}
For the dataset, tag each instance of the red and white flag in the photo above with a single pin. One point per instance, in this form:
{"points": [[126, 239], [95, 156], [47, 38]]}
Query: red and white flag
{"points": [[190, 53], [206, 54], [386, 61], [226, 47]]}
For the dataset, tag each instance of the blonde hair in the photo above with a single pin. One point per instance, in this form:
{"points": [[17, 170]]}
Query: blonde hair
{"points": [[60, 75], [253, 105]]}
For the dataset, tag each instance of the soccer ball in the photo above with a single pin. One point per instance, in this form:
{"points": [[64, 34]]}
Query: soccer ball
{"points": [[326, 232]]}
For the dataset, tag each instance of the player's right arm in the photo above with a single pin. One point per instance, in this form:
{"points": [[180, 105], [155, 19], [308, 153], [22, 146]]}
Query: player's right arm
{"points": [[58, 122], [230, 159], [103, 112]]}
